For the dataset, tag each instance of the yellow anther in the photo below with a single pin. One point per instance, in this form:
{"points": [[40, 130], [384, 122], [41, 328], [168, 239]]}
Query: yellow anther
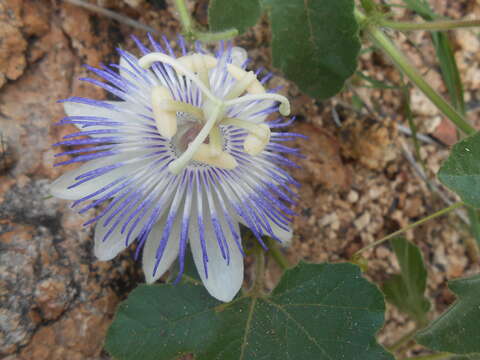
{"points": [[253, 87], [191, 61], [241, 85], [215, 142], [165, 118], [224, 160], [200, 64], [257, 139]]}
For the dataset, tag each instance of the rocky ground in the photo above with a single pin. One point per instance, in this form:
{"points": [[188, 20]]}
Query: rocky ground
{"points": [[57, 300]]}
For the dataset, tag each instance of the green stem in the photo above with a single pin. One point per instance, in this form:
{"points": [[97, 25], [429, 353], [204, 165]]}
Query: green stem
{"points": [[412, 125], [276, 254], [259, 270], [401, 61], [411, 226], [215, 36], [185, 19], [437, 356], [441, 25]]}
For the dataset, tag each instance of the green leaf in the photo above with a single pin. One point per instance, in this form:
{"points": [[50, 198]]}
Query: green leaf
{"points": [[461, 171], [450, 72], [406, 291], [466, 357], [321, 311], [474, 217], [458, 329], [238, 14], [314, 43], [369, 6], [422, 8], [190, 273]]}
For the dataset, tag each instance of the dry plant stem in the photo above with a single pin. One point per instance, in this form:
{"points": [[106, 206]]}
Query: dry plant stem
{"points": [[411, 226], [401, 61], [438, 356], [113, 15], [441, 25], [275, 252]]}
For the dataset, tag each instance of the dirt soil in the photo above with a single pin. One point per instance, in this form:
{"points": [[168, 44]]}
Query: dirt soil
{"points": [[57, 300]]}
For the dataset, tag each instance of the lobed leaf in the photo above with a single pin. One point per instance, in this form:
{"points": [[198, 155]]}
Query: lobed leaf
{"points": [[314, 43], [461, 171], [317, 311], [457, 330], [406, 290]]}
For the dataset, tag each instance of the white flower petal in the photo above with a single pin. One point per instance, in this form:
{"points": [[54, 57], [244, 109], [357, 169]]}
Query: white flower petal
{"points": [[59, 188], [116, 241], [224, 280], [108, 249], [169, 255], [77, 109], [283, 235]]}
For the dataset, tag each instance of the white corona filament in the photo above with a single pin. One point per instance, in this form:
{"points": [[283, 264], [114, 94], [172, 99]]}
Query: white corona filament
{"points": [[196, 68]]}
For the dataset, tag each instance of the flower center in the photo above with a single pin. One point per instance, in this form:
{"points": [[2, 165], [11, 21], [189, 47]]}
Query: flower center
{"points": [[196, 68]]}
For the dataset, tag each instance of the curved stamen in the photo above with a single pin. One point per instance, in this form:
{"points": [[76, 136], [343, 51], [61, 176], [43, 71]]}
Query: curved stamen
{"points": [[149, 59], [179, 106], [284, 103]]}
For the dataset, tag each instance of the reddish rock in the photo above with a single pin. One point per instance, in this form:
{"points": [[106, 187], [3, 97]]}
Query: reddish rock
{"points": [[446, 132], [51, 298], [55, 301], [368, 141], [322, 164], [12, 44]]}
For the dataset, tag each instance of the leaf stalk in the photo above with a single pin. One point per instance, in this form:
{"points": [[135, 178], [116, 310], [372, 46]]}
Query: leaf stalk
{"points": [[276, 254], [403, 63], [441, 25], [259, 270], [437, 356]]}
